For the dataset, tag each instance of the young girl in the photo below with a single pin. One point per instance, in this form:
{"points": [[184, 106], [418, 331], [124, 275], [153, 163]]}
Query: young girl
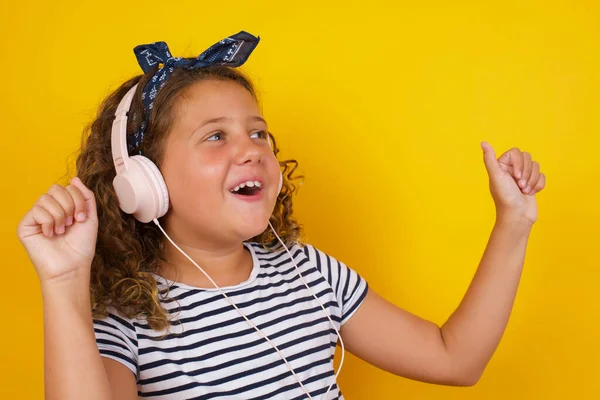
{"points": [[218, 298]]}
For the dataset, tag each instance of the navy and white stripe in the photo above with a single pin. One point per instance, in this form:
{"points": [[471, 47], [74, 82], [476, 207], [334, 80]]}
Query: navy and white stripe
{"points": [[211, 352]]}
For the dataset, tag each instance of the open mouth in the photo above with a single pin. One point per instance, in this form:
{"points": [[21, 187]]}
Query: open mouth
{"points": [[248, 189]]}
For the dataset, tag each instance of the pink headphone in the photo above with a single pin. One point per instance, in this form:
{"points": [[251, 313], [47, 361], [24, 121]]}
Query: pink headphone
{"points": [[139, 185]]}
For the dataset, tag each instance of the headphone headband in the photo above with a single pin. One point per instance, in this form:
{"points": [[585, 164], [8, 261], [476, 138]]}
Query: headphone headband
{"points": [[119, 132]]}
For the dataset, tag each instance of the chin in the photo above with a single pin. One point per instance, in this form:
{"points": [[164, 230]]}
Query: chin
{"points": [[251, 227]]}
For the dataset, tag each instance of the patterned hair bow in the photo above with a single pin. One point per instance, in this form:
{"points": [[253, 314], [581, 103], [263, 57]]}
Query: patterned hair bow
{"points": [[232, 51]]}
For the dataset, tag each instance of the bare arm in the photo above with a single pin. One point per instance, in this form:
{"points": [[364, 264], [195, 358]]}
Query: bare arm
{"points": [[72, 364], [473, 332], [59, 235], [457, 353]]}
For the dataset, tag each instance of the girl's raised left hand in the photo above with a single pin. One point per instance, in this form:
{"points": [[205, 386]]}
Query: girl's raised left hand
{"points": [[515, 179]]}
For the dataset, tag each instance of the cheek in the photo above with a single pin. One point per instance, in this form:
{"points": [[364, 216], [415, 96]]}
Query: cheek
{"points": [[189, 181], [204, 180], [274, 168], [274, 171], [271, 161]]}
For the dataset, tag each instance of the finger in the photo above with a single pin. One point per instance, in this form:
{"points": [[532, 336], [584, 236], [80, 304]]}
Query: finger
{"points": [[64, 198], [513, 158], [54, 208], [541, 184], [507, 168], [88, 197], [533, 177], [79, 204], [43, 219], [527, 167]]}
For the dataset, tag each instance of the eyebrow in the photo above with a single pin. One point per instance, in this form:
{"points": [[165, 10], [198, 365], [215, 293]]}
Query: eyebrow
{"points": [[225, 119]]}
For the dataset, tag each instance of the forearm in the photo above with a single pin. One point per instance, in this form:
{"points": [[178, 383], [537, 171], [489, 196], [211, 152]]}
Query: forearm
{"points": [[72, 364], [472, 333]]}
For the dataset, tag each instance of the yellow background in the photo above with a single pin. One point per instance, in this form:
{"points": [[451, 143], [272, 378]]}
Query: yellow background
{"points": [[384, 105]]}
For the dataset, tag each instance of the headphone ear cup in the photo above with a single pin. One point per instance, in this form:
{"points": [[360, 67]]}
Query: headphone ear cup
{"points": [[158, 185], [141, 190]]}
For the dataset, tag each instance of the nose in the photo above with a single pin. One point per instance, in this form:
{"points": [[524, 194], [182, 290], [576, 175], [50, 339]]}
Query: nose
{"points": [[247, 151]]}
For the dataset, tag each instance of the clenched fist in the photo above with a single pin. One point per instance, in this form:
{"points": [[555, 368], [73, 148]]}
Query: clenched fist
{"points": [[59, 232]]}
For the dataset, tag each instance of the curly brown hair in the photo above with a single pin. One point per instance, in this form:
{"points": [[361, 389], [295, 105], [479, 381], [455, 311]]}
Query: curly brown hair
{"points": [[129, 252]]}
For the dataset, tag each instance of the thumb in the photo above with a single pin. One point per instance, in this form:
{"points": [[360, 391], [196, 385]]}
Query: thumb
{"points": [[88, 197], [489, 158]]}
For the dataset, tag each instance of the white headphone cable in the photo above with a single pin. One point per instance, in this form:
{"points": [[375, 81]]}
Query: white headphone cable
{"points": [[254, 326], [322, 306], [234, 306]]}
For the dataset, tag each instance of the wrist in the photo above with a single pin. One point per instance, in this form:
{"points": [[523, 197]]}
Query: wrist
{"points": [[74, 283], [514, 222]]}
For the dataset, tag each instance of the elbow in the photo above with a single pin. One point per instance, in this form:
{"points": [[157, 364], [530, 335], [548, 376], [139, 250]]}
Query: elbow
{"points": [[465, 372], [470, 380], [467, 378]]}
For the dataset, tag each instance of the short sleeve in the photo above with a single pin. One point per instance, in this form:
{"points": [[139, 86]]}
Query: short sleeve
{"points": [[349, 287], [116, 339]]}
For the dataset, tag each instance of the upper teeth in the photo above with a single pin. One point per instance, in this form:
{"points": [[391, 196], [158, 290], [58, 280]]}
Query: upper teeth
{"points": [[247, 183]]}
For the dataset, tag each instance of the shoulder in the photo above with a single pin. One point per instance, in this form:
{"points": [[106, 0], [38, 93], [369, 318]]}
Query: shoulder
{"points": [[347, 284], [116, 324], [116, 338]]}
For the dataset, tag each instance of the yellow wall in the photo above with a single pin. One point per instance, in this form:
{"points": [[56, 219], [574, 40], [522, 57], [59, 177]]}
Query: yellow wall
{"points": [[384, 105]]}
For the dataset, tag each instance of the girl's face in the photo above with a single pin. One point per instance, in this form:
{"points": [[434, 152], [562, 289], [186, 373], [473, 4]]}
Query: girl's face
{"points": [[218, 141]]}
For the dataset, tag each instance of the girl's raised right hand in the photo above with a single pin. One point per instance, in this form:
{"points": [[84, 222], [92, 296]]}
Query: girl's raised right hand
{"points": [[59, 232]]}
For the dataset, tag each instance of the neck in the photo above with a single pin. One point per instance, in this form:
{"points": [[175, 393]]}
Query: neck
{"points": [[227, 265]]}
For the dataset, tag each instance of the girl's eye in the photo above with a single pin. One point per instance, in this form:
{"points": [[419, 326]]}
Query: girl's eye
{"points": [[216, 135], [261, 134], [219, 136]]}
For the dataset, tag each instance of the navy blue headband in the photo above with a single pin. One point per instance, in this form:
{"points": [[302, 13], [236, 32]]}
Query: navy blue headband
{"points": [[232, 51]]}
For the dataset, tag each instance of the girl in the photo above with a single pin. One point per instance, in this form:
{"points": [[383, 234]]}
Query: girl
{"points": [[219, 298]]}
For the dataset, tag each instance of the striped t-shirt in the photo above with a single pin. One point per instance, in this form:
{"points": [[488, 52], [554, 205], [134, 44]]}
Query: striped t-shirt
{"points": [[211, 352]]}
